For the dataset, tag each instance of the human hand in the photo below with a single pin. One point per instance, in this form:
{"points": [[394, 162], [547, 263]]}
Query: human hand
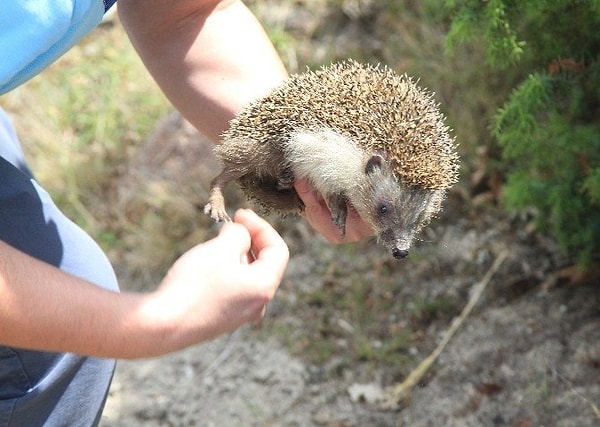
{"points": [[318, 215], [217, 286]]}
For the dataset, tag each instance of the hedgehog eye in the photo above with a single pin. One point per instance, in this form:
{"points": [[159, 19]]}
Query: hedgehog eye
{"points": [[383, 209]]}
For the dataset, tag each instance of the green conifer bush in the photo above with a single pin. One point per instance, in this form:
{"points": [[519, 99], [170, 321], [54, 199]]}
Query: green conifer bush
{"points": [[549, 127]]}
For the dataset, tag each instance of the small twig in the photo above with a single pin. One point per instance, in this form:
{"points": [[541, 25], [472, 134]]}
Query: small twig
{"points": [[401, 391], [223, 354], [595, 408]]}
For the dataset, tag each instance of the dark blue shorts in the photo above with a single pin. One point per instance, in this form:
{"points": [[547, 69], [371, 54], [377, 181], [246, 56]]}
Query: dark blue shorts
{"points": [[40, 388], [108, 4]]}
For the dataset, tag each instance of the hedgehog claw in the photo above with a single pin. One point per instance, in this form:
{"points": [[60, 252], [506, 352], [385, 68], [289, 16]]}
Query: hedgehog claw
{"points": [[285, 179], [216, 206], [218, 215]]}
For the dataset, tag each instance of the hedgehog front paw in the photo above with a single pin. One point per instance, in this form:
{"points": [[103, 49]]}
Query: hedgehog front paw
{"points": [[339, 211], [285, 179]]}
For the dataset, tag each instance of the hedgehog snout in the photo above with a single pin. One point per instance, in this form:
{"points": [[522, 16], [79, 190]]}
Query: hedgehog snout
{"points": [[397, 242], [399, 253]]}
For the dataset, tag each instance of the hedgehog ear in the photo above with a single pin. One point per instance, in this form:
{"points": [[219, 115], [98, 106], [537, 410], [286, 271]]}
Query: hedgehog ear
{"points": [[374, 163]]}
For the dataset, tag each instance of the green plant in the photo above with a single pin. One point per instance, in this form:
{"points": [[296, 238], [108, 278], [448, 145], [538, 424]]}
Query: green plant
{"points": [[549, 128]]}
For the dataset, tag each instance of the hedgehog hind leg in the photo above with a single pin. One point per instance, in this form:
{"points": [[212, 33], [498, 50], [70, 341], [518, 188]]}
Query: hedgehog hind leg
{"points": [[216, 201]]}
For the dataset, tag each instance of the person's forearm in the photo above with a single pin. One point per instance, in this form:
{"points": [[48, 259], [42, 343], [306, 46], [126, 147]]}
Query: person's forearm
{"points": [[212, 289], [210, 58], [44, 308]]}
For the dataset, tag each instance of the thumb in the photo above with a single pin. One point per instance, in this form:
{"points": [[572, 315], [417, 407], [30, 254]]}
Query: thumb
{"points": [[235, 239]]}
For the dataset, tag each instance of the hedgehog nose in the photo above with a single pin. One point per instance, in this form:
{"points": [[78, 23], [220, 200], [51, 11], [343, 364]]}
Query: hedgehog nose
{"points": [[399, 253]]}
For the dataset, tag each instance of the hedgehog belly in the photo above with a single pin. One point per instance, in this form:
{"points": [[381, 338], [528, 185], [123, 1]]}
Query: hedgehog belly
{"points": [[266, 193]]}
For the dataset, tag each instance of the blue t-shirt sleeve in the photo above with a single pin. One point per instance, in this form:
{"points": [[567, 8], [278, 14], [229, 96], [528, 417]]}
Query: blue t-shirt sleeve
{"points": [[34, 33]]}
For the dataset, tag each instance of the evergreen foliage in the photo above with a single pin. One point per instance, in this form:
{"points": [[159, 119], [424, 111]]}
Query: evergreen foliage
{"points": [[549, 128]]}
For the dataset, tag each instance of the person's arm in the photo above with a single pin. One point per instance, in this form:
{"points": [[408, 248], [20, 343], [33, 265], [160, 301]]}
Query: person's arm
{"points": [[212, 58], [212, 289]]}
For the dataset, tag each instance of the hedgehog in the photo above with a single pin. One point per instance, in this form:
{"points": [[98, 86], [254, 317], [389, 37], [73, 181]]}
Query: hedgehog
{"points": [[362, 135]]}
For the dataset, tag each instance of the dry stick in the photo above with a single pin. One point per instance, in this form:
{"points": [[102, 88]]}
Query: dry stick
{"points": [[595, 408], [401, 391]]}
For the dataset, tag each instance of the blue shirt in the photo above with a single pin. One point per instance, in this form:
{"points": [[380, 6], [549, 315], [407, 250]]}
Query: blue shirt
{"points": [[34, 33]]}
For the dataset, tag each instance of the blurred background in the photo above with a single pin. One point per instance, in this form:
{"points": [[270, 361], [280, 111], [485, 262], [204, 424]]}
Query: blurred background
{"points": [[520, 85]]}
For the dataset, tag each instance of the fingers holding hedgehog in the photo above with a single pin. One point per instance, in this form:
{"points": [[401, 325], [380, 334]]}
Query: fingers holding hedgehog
{"points": [[362, 135]]}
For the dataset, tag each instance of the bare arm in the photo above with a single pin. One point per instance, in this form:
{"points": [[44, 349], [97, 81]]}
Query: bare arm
{"points": [[212, 289], [210, 58]]}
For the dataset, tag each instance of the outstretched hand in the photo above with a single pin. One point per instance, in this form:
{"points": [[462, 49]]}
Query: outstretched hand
{"points": [[217, 286], [318, 215]]}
